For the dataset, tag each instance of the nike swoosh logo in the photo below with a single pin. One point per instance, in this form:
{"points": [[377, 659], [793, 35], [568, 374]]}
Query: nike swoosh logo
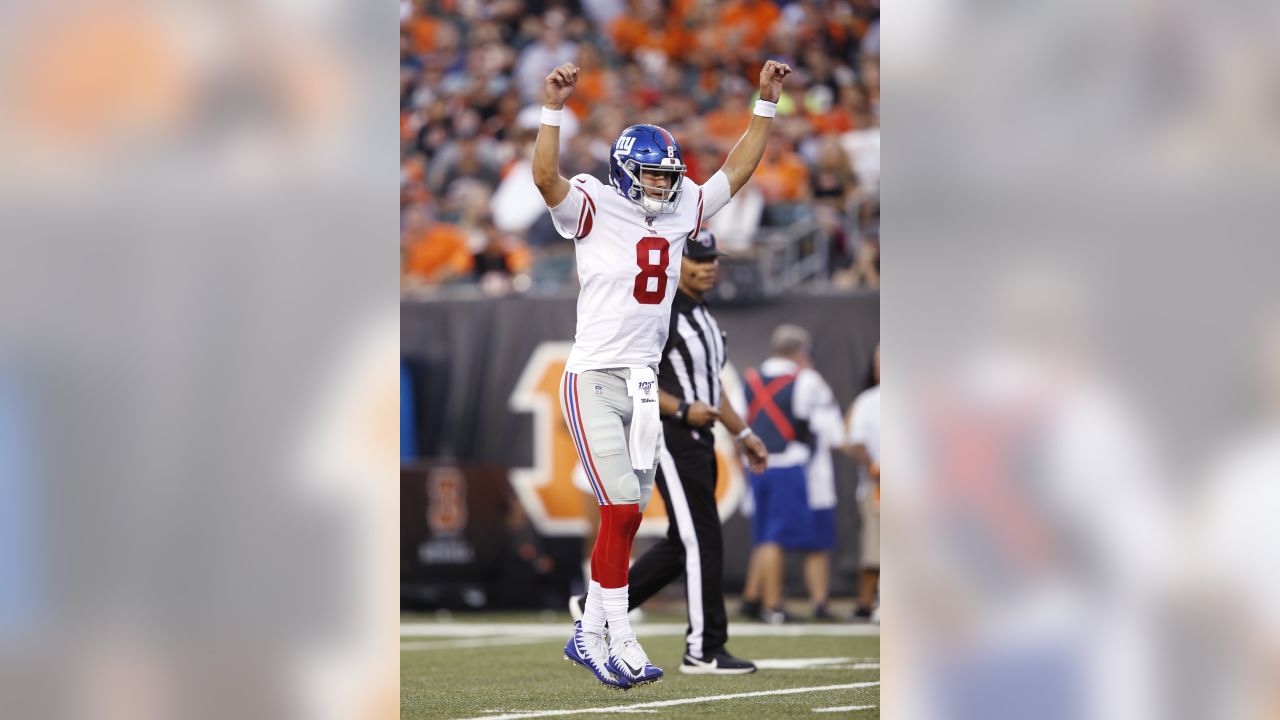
{"points": [[633, 671]]}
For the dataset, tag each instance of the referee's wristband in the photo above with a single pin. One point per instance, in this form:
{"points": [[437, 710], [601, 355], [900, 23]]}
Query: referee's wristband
{"points": [[746, 433], [682, 412]]}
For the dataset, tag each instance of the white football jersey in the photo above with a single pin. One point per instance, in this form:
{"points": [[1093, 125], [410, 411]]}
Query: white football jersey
{"points": [[628, 267]]}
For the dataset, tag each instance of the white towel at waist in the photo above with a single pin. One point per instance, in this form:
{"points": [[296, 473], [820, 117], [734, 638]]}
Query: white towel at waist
{"points": [[646, 424]]}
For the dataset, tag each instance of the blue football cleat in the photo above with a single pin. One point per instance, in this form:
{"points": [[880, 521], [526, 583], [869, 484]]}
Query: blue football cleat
{"points": [[628, 661], [592, 652]]}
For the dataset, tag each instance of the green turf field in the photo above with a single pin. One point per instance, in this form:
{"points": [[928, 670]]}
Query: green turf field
{"points": [[470, 667]]}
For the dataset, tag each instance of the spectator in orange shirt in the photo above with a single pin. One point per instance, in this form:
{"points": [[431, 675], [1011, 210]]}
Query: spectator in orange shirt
{"points": [[422, 33], [626, 32], [782, 176], [648, 26], [826, 117], [433, 252], [726, 123], [591, 81], [751, 20]]}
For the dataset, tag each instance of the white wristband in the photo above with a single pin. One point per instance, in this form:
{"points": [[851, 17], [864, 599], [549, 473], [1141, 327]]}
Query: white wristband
{"points": [[551, 117], [764, 108], [746, 433]]}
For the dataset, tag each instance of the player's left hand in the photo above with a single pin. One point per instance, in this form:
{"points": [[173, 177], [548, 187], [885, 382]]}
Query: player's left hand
{"points": [[771, 76], [757, 455]]}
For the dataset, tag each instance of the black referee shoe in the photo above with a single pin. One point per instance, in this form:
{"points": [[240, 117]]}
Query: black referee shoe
{"points": [[719, 664]]}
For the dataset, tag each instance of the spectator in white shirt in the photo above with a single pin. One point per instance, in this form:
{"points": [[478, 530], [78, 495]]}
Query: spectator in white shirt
{"points": [[864, 447]]}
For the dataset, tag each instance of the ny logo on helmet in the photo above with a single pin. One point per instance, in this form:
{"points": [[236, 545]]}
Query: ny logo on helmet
{"points": [[625, 143]]}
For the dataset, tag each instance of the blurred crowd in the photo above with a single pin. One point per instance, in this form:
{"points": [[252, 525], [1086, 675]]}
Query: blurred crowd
{"points": [[471, 80]]}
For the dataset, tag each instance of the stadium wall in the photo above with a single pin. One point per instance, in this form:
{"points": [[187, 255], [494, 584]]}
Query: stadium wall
{"points": [[483, 373]]}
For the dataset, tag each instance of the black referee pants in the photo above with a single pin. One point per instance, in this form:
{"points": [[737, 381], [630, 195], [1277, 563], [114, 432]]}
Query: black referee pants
{"points": [[693, 546]]}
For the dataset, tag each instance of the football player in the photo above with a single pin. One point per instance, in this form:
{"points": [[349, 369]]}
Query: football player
{"points": [[629, 237]]}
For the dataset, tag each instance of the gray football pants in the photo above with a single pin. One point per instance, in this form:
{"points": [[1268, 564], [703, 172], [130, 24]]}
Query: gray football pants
{"points": [[598, 412]]}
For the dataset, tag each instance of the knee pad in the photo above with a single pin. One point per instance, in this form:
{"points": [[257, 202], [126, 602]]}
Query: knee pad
{"points": [[626, 489]]}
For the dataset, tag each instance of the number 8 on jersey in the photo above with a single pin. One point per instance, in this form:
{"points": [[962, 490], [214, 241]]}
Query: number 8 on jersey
{"points": [[653, 257]]}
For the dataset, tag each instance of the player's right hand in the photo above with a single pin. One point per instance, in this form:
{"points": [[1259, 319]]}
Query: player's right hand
{"points": [[771, 77], [701, 414], [559, 87]]}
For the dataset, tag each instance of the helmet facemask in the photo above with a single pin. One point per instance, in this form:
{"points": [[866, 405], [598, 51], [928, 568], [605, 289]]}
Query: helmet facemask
{"points": [[638, 192]]}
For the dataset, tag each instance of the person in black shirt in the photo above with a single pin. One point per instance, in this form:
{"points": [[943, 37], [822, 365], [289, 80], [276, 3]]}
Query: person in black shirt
{"points": [[692, 401]]}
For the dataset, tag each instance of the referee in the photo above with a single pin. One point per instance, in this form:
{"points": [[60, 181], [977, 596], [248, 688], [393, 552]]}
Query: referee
{"points": [[691, 402]]}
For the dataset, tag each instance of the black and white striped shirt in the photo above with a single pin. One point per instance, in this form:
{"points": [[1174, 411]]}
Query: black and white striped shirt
{"points": [[694, 355]]}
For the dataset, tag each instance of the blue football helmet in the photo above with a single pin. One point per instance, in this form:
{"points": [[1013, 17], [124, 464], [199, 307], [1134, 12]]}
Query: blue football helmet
{"points": [[649, 148]]}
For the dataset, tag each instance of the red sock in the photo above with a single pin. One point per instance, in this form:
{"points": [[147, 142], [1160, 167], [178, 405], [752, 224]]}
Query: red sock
{"points": [[635, 528], [611, 556]]}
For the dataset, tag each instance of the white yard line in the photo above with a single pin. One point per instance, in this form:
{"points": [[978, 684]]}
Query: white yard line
{"points": [[468, 643], [841, 663], [562, 630], [670, 703], [798, 663], [846, 708]]}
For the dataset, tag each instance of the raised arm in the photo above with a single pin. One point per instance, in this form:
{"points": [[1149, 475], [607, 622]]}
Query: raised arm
{"points": [[546, 150], [745, 156]]}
